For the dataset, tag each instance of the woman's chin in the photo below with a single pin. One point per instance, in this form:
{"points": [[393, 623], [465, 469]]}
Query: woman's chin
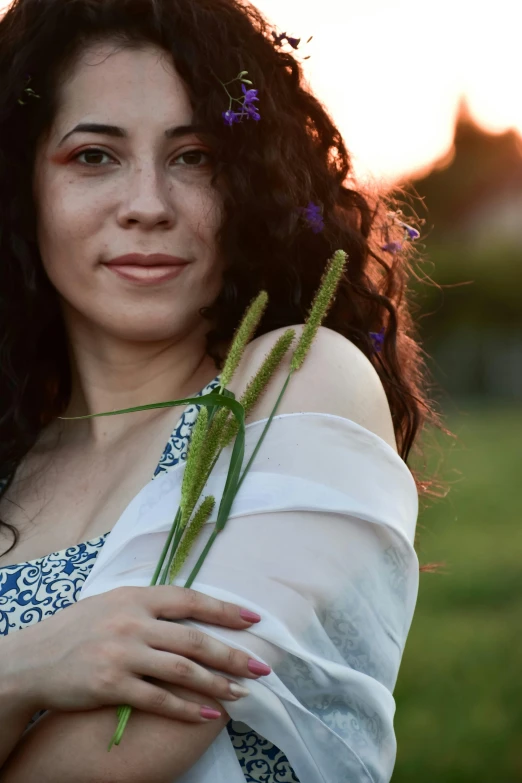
{"points": [[138, 330]]}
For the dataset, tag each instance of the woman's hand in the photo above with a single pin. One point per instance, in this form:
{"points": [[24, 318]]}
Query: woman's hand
{"points": [[96, 652]]}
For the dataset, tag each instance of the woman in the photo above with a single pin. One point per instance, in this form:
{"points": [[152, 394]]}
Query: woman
{"points": [[127, 129]]}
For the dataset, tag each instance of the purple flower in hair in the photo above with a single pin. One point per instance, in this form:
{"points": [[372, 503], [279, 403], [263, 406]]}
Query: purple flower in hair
{"points": [[409, 231], [246, 102], [378, 339], [250, 95], [231, 117], [412, 232], [252, 111], [294, 42], [392, 247], [313, 216]]}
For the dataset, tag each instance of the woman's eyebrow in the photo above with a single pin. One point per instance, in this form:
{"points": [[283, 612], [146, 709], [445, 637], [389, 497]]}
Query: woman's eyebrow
{"points": [[114, 130]]}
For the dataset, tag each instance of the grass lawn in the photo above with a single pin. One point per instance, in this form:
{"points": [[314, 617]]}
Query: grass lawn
{"points": [[459, 692]]}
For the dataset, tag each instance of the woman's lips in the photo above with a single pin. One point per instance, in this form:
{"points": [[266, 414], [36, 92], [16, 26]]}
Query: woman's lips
{"points": [[147, 275]]}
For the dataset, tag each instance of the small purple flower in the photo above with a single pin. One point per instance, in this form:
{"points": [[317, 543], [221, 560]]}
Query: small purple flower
{"points": [[231, 117], [412, 232], [294, 42], [252, 111], [250, 96], [378, 339], [247, 108], [313, 216], [392, 247]]}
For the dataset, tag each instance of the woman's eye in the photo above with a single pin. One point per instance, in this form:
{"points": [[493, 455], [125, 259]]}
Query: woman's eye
{"points": [[91, 151], [194, 158]]}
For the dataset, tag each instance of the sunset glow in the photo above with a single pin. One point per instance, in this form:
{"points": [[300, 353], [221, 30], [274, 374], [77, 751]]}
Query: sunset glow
{"points": [[391, 72]]}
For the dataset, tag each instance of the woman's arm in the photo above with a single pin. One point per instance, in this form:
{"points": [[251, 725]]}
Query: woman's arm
{"points": [[16, 706], [63, 746], [13, 721]]}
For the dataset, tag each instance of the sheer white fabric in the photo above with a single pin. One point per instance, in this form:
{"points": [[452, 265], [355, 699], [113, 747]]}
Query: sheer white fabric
{"points": [[320, 543]]}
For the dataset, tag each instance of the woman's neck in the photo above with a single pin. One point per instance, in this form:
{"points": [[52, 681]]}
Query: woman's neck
{"points": [[110, 374]]}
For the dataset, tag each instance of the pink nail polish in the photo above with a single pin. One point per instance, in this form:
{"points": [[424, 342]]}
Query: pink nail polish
{"points": [[250, 617], [256, 667], [209, 713]]}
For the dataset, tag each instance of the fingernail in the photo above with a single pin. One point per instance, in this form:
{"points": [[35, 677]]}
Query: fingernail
{"points": [[238, 690], [256, 667], [209, 713], [249, 616]]}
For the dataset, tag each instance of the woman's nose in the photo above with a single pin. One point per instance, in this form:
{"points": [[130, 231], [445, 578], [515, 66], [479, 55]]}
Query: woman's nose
{"points": [[148, 198]]}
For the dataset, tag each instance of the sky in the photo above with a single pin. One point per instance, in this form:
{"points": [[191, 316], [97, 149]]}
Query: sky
{"points": [[391, 72]]}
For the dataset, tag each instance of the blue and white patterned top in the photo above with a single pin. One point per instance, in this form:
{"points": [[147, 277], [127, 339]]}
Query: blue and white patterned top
{"points": [[39, 588]]}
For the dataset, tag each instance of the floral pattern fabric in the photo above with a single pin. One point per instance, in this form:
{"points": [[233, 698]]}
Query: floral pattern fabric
{"points": [[39, 588]]}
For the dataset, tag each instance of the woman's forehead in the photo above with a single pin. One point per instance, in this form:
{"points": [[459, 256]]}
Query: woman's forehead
{"points": [[131, 85]]}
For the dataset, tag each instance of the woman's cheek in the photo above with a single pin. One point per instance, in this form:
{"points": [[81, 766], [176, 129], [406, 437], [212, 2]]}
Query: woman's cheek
{"points": [[204, 210]]}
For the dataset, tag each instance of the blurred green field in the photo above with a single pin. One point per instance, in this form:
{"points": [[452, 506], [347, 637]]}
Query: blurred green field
{"points": [[459, 692]]}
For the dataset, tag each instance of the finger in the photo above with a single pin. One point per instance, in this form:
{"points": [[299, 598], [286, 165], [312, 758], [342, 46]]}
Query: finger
{"points": [[197, 645], [178, 670], [176, 603], [147, 697]]}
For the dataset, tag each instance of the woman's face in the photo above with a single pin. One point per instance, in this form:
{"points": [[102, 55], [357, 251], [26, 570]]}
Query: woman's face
{"points": [[104, 194]]}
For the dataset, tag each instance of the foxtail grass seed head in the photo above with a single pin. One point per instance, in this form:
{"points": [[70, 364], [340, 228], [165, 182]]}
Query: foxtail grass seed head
{"points": [[242, 336], [191, 533], [196, 444], [259, 382], [222, 420], [320, 306], [208, 453]]}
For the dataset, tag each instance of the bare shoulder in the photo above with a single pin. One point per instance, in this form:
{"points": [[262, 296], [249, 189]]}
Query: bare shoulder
{"points": [[336, 377]]}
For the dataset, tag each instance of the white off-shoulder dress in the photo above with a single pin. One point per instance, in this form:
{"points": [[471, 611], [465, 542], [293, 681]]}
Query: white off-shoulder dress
{"points": [[319, 542]]}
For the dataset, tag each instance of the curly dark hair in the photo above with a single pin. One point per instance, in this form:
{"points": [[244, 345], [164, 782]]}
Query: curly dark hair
{"points": [[267, 171]]}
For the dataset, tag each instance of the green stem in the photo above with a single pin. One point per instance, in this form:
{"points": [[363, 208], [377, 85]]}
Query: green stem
{"points": [[166, 547], [172, 553], [258, 444], [124, 715], [198, 565]]}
